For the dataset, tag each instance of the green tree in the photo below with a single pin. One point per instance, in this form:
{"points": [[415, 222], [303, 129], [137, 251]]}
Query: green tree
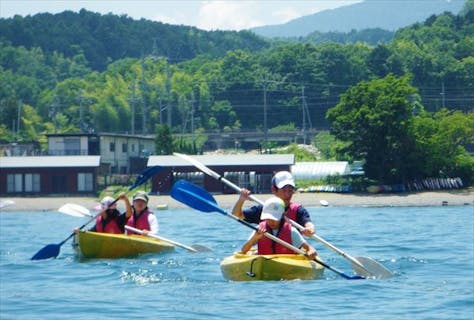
{"points": [[373, 117], [328, 145], [163, 140], [441, 138], [223, 114]]}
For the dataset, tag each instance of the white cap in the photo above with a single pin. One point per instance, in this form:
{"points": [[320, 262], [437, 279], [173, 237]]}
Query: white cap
{"points": [[283, 178], [273, 209], [106, 201]]}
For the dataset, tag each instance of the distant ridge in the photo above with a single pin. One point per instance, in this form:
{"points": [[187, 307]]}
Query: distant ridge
{"points": [[385, 14]]}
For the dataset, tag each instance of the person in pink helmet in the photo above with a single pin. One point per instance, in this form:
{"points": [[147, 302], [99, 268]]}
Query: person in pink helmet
{"points": [[110, 220]]}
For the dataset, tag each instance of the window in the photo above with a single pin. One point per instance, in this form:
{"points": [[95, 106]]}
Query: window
{"points": [[15, 182], [112, 146], [124, 147], [72, 146], [32, 182], [85, 182]]}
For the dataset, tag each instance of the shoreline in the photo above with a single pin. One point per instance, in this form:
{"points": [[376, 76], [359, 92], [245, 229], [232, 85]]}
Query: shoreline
{"points": [[226, 201]]}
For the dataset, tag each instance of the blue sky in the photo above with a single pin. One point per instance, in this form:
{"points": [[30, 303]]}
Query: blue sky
{"points": [[207, 15]]}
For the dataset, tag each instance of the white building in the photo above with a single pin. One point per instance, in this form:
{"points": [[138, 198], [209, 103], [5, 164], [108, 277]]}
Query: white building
{"points": [[121, 153], [319, 170]]}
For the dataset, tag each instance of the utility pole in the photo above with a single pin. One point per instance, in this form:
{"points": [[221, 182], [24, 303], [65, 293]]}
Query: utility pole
{"points": [[144, 102], [168, 94], [443, 95], [20, 104], [265, 126], [192, 114], [268, 81], [132, 101], [306, 117], [53, 110], [304, 114]]}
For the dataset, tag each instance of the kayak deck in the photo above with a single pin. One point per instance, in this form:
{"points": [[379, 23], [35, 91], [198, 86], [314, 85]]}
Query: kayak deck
{"points": [[107, 245], [250, 267]]}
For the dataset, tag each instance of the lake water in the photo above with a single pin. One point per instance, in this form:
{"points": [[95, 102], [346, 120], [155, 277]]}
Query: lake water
{"points": [[430, 250]]}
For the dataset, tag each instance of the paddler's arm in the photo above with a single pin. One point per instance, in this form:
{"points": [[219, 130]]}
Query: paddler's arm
{"points": [[153, 221], [257, 235], [128, 206], [304, 219], [310, 251], [237, 209]]}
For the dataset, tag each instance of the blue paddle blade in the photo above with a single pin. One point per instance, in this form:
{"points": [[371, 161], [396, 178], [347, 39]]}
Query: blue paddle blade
{"points": [[195, 197], [145, 176], [50, 251]]}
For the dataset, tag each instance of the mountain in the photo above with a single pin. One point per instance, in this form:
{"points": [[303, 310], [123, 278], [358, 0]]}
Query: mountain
{"points": [[384, 14]]}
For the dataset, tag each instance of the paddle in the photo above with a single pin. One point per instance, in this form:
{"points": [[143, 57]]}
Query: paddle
{"points": [[192, 248], [363, 266], [199, 199], [52, 250], [75, 210]]}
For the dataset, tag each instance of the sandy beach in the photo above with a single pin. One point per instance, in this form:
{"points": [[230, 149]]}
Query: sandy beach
{"points": [[431, 198]]}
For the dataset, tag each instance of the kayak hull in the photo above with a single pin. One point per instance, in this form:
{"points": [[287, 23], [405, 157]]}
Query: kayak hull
{"points": [[251, 267], [109, 246]]}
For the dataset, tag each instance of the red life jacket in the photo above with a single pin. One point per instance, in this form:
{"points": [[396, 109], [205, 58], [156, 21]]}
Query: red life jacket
{"points": [[139, 221], [110, 226], [268, 246], [292, 210]]}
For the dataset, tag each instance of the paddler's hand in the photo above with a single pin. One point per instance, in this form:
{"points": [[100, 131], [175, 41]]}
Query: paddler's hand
{"points": [[244, 194], [145, 232], [308, 229], [259, 233], [311, 253]]}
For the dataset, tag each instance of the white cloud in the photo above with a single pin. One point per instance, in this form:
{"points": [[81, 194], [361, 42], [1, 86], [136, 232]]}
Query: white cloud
{"points": [[171, 19], [228, 15]]}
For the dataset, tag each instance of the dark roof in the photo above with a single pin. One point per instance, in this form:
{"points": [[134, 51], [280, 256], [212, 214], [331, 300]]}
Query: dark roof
{"points": [[49, 162]]}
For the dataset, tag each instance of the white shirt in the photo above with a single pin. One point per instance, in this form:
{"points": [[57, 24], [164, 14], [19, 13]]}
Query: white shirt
{"points": [[153, 221]]}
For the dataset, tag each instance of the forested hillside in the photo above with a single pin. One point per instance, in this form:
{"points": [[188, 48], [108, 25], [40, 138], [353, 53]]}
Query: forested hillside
{"points": [[48, 82], [102, 39]]}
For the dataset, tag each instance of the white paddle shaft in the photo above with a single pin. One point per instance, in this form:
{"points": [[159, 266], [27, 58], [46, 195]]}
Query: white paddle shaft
{"points": [[160, 238]]}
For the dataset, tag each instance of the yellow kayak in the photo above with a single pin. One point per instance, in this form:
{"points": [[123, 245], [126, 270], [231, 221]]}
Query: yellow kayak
{"points": [[249, 267], [107, 245]]}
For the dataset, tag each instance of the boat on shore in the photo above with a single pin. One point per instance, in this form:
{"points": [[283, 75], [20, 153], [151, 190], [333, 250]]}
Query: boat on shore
{"points": [[251, 267], [109, 246]]}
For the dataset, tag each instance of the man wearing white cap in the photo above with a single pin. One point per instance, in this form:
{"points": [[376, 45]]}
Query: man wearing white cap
{"points": [[272, 222], [283, 186]]}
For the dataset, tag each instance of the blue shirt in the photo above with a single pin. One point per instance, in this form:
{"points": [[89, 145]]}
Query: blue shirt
{"points": [[252, 215]]}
